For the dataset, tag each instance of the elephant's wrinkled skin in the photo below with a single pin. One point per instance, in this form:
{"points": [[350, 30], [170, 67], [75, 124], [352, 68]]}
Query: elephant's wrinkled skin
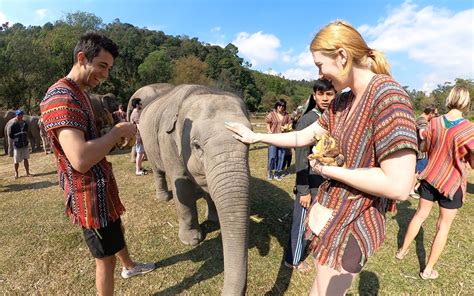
{"points": [[102, 106], [34, 136], [147, 94], [185, 139]]}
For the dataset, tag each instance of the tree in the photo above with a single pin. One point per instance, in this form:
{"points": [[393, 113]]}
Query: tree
{"points": [[190, 69], [156, 67]]}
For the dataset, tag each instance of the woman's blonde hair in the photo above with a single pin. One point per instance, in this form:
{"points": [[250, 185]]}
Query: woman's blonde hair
{"points": [[340, 34], [459, 99]]}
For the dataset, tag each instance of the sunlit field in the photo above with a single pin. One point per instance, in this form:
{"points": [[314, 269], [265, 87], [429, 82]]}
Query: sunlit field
{"points": [[42, 253]]}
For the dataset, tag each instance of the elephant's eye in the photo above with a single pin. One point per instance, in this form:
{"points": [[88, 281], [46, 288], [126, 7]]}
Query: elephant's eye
{"points": [[195, 144]]}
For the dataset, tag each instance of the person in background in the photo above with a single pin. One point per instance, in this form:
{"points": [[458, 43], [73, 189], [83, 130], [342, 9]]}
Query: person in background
{"points": [[19, 137], [120, 115], [449, 143], [276, 155], [307, 182], [135, 119], [422, 159], [373, 124], [86, 177]]}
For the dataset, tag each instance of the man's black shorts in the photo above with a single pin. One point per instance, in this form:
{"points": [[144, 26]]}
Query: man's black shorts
{"points": [[430, 193], [107, 241]]}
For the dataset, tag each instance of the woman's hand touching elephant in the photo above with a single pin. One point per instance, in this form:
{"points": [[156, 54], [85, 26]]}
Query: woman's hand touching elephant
{"points": [[241, 132]]}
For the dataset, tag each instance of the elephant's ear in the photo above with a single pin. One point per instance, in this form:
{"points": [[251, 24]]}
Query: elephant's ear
{"points": [[172, 123]]}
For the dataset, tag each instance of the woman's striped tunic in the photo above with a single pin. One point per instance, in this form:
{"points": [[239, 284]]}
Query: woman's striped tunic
{"points": [[382, 122]]}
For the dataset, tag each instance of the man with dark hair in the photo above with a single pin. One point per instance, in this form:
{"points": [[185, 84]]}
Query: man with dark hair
{"points": [[422, 158], [135, 118], [19, 137], [307, 182], [86, 177]]}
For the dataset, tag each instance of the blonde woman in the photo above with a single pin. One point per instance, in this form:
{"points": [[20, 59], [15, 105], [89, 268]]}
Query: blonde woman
{"points": [[449, 142], [374, 126]]}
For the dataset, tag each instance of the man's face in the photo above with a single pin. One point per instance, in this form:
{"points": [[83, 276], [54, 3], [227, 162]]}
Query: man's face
{"points": [[324, 98], [97, 70], [20, 117], [433, 114]]}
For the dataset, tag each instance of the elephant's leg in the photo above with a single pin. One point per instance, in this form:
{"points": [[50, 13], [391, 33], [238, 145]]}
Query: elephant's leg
{"points": [[189, 231], [211, 211], [162, 192]]}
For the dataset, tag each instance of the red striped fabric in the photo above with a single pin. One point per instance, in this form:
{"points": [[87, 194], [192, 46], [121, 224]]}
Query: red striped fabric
{"points": [[448, 152], [91, 199]]}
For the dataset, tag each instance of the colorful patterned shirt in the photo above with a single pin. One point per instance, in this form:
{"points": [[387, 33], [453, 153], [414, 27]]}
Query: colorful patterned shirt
{"points": [[91, 199], [275, 122], [449, 150], [382, 122]]}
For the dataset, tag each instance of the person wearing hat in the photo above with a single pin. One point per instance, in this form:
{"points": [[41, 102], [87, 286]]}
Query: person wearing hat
{"points": [[307, 181], [19, 137]]}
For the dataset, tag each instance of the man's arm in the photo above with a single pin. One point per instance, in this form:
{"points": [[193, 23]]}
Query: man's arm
{"points": [[84, 154]]}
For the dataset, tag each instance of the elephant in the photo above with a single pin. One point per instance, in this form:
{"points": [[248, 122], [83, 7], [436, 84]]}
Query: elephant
{"points": [[147, 94], [186, 141], [34, 136], [5, 116], [103, 116]]}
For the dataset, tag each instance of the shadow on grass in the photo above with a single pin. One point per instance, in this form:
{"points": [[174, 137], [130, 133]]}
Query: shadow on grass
{"points": [[369, 283], [403, 217], [213, 265], [28, 186], [270, 203], [470, 188], [275, 206]]}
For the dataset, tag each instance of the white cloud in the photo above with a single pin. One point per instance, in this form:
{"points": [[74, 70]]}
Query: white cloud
{"points": [[438, 38], [3, 18], [215, 29], [300, 74], [259, 48], [41, 13]]}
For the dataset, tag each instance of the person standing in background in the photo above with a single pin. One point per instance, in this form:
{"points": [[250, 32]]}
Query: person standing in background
{"points": [[19, 137], [277, 118], [307, 182], [449, 143], [135, 119]]}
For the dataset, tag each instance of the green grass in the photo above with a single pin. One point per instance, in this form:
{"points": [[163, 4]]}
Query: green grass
{"points": [[42, 253]]}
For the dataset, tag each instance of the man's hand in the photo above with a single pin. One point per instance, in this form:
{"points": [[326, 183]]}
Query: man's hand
{"points": [[305, 200], [126, 129]]}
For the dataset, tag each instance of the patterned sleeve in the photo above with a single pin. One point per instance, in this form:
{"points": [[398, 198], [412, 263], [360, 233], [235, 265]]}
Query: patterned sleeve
{"points": [[394, 125], [59, 109]]}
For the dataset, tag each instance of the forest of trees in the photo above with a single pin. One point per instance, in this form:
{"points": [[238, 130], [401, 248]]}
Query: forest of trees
{"points": [[34, 57]]}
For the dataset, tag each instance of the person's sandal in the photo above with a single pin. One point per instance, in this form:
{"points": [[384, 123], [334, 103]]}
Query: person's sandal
{"points": [[141, 173], [429, 276], [399, 255]]}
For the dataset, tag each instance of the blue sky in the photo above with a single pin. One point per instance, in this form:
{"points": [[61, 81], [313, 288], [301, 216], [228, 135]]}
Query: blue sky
{"points": [[426, 42]]}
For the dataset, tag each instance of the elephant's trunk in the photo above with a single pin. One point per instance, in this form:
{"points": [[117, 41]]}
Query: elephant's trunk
{"points": [[228, 181]]}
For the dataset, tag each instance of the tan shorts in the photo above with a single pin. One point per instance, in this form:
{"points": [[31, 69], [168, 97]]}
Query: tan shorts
{"points": [[20, 154]]}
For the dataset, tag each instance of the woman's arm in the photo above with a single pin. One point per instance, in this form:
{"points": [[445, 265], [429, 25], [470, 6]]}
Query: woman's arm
{"points": [[393, 179], [286, 140]]}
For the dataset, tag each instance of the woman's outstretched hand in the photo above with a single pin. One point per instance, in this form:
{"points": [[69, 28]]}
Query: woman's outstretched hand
{"points": [[241, 132]]}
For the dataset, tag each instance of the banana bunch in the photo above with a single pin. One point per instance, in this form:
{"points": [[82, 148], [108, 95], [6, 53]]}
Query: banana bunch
{"points": [[286, 128], [326, 151], [125, 143]]}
